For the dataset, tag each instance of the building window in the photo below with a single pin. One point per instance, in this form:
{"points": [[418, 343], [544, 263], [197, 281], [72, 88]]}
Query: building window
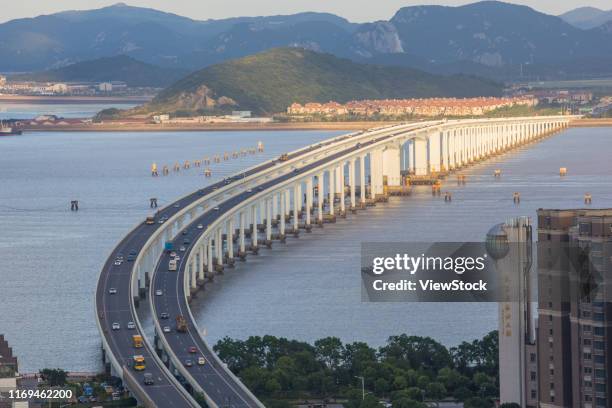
{"points": [[599, 331], [586, 328], [586, 356], [600, 373], [532, 375], [587, 342], [533, 394], [600, 359], [532, 357], [588, 370], [599, 345]]}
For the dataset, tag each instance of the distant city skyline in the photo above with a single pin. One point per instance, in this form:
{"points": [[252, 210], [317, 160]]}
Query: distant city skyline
{"points": [[353, 10]]}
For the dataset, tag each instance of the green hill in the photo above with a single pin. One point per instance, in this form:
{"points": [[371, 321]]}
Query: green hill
{"points": [[120, 68], [270, 81]]}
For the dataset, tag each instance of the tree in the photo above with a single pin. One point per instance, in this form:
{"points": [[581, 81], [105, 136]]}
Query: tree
{"points": [[329, 351], [477, 402], [54, 376], [435, 391], [408, 403], [272, 386]]}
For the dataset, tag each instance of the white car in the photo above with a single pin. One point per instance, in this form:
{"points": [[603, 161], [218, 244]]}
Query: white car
{"points": [[112, 291], [249, 190], [131, 325], [201, 361], [117, 263], [158, 292], [177, 258], [172, 254], [200, 226], [116, 326], [182, 249], [167, 329], [216, 208]]}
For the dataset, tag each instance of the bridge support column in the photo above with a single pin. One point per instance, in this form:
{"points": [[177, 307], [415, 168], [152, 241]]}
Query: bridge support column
{"points": [[254, 227], [391, 165], [202, 258], [242, 234], [230, 240], [308, 203], [352, 182], [219, 247], [268, 202], [419, 157], [376, 172], [362, 181], [209, 255], [320, 197], [193, 270], [433, 147], [283, 210], [341, 188], [332, 191], [296, 209]]}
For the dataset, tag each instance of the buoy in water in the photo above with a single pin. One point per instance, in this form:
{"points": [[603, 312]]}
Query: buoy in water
{"points": [[562, 171], [588, 198], [516, 198], [154, 170], [448, 197], [497, 173]]}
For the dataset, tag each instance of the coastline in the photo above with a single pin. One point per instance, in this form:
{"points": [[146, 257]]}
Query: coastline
{"points": [[145, 127], [73, 99], [139, 126], [603, 122]]}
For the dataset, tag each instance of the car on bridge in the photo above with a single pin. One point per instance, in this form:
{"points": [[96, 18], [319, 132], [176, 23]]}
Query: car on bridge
{"points": [[116, 326], [193, 349], [112, 291], [201, 361]]}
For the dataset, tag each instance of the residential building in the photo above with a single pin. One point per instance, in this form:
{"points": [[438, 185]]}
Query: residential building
{"points": [[574, 335]]}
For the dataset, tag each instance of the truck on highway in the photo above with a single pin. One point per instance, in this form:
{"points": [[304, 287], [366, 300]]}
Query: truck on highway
{"points": [[168, 246], [137, 341], [172, 265], [139, 362], [283, 157], [181, 324], [150, 220]]}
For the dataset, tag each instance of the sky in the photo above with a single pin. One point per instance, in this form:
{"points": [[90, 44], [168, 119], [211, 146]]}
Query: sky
{"points": [[353, 10]]}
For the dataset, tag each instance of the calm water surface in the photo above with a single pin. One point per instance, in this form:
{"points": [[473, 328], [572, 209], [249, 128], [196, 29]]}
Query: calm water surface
{"points": [[306, 289], [10, 110]]}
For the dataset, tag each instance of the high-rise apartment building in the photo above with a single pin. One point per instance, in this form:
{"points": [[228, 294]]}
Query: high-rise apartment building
{"points": [[574, 334]]}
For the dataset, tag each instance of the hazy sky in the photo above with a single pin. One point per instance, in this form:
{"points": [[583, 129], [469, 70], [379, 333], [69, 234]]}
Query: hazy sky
{"points": [[354, 10]]}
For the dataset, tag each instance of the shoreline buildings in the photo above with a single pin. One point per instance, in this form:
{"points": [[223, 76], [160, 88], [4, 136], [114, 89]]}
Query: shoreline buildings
{"points": [[432, 107]]}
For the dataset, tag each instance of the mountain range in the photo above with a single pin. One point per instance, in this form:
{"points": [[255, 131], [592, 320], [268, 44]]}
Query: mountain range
{"points": [[490, 38], [119, 68], [268, 82], [587, 17]]}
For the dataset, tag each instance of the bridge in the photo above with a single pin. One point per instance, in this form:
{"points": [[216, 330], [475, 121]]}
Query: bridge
{"points": [[233, 218]]}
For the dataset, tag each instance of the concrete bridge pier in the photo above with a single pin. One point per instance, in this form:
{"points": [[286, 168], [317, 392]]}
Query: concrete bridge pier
{"points": [[362, 182], [219, 250], [282, 219], [352, 184], [241, 236], [320, 198], [341, 189], [297, 197], [331, 193], [254, 247], [268, 206], [309, 193]]}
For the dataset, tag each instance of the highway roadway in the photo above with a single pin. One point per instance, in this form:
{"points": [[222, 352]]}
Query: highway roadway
{"points": [[117, 308], [213, 379]]}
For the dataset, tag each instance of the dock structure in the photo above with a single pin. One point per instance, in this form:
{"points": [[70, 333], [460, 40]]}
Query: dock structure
{"points": [[261, 206]]}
